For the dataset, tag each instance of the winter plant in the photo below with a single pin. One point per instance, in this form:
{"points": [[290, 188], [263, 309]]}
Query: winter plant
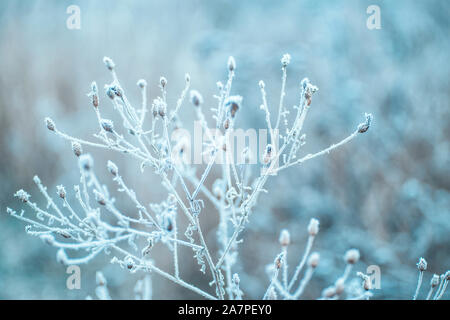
{"points": [[97, 226]]}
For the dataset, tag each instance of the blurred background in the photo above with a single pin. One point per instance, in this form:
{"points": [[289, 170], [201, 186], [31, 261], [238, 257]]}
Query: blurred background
{"points": [[386, 193]]}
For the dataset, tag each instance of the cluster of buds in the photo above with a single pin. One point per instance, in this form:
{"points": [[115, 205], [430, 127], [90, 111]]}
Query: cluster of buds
{"points": [[159, 107]]}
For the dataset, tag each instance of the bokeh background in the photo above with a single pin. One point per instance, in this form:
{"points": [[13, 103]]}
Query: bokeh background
{"points": [[386, 193]]}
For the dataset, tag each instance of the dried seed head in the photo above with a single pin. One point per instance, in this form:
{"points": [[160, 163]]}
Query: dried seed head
{"points": [[187, 77], [196, 98], [279, 261], [313, 260], [352, 256], [76, 148], [313, 227], [231, 64], [110, 92], [285, 60], [50, 124], [85, 162], [363, 127], [163, 82], [367, 282], [100, 198], [141, 83], [112, 168], [285, 238], [422, 264], [109, 63], [22, 195], [434, 280], [61, 191], [107, 125]]}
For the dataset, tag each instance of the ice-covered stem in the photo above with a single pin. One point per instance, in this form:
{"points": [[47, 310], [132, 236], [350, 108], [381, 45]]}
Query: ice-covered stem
{"points": [[446, 279], [422, 266], [285, 60], [434, 282], [279, 260], [313, 229], [313, 262], [285, 240]]}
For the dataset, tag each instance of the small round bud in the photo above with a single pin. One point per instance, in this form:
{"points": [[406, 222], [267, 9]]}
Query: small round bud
{"points": [[85, 162], [187, 77], [22, 195], [352, 256], [363, 127], [162, 82], [94, 94], [76, 148], [50, 124], [285, 238], [232, 104], [100, 198], [61, 191], [109, 63], [313, 260], [339, 285], [110, 92], [196, 98], [231, 64], [434, 280], [141, 83], [107, 125], [129, 263], [285, 60], [313, 227], [422, 265], [112, 168], [329, 292]]}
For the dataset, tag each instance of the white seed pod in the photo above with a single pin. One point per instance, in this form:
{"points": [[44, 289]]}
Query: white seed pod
{"points": [[109, 63], [76, 148], [313, 227], [352, 256], [285, 238], [313, 260], [112, 168], [196, 98], [107, 125], [50, 124], [422, 264], [231, 64], [61, 191], [285, 60]]}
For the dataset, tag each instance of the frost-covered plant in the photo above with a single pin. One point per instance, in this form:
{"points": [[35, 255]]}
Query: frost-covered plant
{"points": [[97, 225]]}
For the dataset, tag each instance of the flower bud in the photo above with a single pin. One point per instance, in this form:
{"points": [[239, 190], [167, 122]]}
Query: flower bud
{"points": [[313, 260], [61, 191], [196, 98], [107, 125], [85, 162], [109, 63], [285, 60], [434, 280], [112, 168], [231, 64], [285, 238], [22, 195], [352, 256], [50, 124], [422, 265], [313, 227], [141, 83], [76, 148]]}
